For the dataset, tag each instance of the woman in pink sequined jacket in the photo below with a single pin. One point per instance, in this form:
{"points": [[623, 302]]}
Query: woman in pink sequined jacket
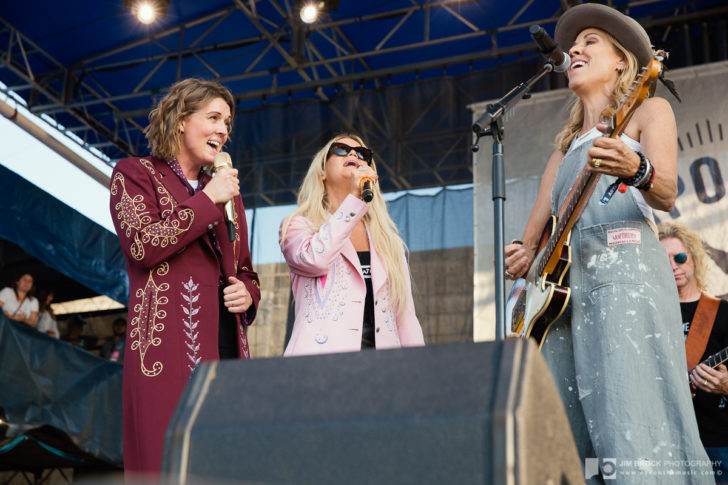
{"points": [[349, 272]]}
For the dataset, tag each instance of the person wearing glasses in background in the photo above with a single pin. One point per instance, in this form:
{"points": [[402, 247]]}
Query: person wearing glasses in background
{"points": [[349, 273], [706, 316]]}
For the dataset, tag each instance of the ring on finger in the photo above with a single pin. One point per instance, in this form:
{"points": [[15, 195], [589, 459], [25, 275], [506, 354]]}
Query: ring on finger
{"points": [[705, 382], [509, 275], [596, 162]]}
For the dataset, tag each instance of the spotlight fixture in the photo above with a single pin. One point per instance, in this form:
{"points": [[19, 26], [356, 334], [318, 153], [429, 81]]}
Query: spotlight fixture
{"points": [[311, 10], [147, 11]]}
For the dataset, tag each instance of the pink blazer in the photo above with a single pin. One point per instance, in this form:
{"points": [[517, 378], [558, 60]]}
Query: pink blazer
{"points": [[329, 289]]}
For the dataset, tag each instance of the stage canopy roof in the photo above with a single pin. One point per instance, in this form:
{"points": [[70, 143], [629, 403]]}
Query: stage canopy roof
{"points": [[400, 72], [93, 69]]}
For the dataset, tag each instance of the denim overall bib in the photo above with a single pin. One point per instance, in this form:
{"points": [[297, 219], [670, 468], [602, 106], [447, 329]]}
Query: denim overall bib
{"points": [[617, 354]]}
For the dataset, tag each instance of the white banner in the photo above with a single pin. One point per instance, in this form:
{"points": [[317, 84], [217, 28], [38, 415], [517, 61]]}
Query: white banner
{"points": [[702, 205]]}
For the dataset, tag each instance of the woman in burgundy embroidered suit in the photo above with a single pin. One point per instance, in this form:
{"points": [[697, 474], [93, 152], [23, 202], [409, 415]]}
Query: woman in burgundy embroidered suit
{"points": [[192, 291]]}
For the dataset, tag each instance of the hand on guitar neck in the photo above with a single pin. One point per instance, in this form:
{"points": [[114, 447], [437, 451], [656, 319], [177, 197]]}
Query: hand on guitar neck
{"points": [[710, 379]]}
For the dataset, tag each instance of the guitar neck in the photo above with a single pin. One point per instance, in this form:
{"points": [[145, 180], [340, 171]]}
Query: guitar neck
{"points": [[717, 358], [570, 212]]}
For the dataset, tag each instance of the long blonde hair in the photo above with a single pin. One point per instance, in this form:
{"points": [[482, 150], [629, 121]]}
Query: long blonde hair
{"points": [[693, 244], [313, 204], [621, 88]]}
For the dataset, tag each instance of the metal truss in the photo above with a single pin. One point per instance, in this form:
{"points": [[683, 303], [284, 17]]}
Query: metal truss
{"points": [[274, 57], [49, 80]]}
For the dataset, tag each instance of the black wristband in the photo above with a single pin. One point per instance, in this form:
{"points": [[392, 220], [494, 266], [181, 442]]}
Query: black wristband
{"points": [[637, 178]]}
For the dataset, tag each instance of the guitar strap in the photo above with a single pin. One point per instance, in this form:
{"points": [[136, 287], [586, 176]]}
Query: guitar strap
{"points": [[700, 329]]}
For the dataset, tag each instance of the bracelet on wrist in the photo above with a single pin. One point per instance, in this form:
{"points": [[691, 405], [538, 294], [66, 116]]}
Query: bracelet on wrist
{"points": [[642, 170], [646, 176], [647, 185]]}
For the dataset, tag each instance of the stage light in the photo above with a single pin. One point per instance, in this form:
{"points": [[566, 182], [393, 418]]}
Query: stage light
{"points": [[310, 12], [147, 11]]}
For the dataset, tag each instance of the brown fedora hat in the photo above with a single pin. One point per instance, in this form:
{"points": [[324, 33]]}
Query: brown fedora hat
{"points": [[625, 29]]}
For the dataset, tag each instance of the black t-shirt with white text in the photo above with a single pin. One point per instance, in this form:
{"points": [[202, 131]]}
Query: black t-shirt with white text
{"points": [[367, 335], [711, 410]]}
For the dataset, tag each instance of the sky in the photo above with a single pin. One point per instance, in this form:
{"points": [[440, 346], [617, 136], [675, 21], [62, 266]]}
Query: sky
{"points": [[25, 155]]}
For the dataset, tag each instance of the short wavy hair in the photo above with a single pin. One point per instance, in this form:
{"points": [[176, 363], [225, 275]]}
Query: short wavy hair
{"points": [[693, 244], [183, 99]]}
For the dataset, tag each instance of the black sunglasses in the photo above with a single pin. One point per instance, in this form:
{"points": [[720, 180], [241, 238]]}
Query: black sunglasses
{"points": [[680, 258], [342, 150]]}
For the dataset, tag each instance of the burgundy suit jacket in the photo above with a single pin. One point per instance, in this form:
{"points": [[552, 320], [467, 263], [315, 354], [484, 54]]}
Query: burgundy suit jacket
{"points": [[174, 280]]}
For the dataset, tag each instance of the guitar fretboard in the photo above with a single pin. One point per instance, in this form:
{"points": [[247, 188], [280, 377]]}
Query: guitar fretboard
{"points": [[716, 359], [585, 177]]}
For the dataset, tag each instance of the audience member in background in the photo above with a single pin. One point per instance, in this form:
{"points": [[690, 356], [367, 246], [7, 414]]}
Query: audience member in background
{"points": [[74, 327], [46, 319], [18, 302], [113, 349], [705, 323], [349, 272]]}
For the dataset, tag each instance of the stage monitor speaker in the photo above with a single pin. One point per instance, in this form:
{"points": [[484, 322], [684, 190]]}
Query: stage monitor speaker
{"points": [[455, 413]]}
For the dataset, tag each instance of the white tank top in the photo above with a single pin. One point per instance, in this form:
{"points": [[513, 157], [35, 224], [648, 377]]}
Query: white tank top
{"points": [[634, 145]]}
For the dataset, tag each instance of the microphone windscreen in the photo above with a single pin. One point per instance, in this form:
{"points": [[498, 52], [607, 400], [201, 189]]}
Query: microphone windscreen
{"points": [[367, 193], [222, 160]]}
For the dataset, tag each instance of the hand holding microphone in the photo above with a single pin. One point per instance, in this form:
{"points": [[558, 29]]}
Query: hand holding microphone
{"points": [[223, 187], [362, 183]]}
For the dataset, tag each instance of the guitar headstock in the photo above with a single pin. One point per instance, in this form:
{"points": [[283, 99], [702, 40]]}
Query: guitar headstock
{"points": [[637, 93]]}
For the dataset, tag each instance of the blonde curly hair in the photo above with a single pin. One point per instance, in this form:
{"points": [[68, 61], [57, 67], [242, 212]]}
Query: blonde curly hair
{"points": [[694, 245], [183, 99]]}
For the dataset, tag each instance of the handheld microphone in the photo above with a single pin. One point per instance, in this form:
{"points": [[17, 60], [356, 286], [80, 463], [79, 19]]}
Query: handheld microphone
{"points": [[222, 160], [550, 49], [367, 189]]}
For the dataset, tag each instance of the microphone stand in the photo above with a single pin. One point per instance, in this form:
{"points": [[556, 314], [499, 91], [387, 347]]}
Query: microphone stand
{"points": [[492, 119]]}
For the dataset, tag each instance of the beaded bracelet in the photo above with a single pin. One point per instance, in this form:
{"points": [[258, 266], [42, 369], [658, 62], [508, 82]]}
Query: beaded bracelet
{"points": [[646, 186], [648, 171], [642, 180], [642, 172]]}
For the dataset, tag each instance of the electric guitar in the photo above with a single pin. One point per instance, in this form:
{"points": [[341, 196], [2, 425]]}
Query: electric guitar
{"points": [[547, 294], [713, 361]]}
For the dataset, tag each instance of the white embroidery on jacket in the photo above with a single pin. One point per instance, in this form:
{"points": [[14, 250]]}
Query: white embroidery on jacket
{"points": [[191, 296], [147, 320]]}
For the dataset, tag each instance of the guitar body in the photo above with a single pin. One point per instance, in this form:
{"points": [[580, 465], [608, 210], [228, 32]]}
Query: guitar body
{"points": [[546, 294]]}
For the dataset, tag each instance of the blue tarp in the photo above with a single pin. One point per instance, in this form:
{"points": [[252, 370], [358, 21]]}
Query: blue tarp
{"points": [[61, 237], [440, 221], [47, 382]]}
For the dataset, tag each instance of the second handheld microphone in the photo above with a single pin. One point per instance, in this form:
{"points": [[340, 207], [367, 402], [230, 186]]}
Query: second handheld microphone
{"points": [[367, 189], [223, 160]]}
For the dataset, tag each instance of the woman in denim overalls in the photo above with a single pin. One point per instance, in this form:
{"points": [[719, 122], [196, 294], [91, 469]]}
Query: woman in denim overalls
{"points": [[617, 353]]}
